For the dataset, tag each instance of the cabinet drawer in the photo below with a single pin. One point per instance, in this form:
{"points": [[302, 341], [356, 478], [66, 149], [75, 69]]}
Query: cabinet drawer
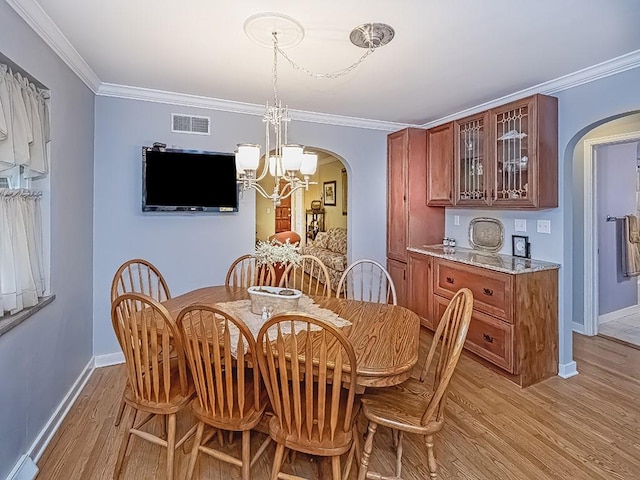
{"points": [[488, 337], [491, 290]]}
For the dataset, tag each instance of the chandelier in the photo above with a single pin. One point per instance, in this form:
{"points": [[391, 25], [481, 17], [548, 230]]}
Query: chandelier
{"points": [[290, 166]]}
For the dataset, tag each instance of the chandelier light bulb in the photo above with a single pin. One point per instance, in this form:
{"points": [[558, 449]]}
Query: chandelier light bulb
{"points": [[309, 163], [291, 157], [247, 157]]}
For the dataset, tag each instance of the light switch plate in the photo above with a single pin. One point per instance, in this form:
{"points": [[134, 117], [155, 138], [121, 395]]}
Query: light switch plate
{"points": [[544, 226], [520, 225], [456, 219]]}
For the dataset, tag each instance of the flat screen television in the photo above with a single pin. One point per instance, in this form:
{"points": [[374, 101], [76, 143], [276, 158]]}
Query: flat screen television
{"points": [[175, 180]]}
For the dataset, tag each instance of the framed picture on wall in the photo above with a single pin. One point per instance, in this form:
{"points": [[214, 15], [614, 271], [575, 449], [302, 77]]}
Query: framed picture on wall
{"points": [[329, 190], [344, 191]]}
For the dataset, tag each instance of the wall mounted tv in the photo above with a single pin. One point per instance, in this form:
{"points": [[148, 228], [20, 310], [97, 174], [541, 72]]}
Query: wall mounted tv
{"points": [[176, 180]]}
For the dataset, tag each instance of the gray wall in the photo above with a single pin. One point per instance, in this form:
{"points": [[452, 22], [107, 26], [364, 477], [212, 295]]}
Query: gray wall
{"points": [[616, 186], [42, 357], [195, 250]]}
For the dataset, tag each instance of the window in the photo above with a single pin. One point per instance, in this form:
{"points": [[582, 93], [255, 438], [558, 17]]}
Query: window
{"points": [[24, 152]]}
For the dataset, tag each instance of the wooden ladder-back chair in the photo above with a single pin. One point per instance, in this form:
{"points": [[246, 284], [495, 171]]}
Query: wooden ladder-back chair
{"points": [[244, 272], [220, 350], [414, 406], [368, 281], [138, 276], [310, 277], [313, 411], [157, 380]]}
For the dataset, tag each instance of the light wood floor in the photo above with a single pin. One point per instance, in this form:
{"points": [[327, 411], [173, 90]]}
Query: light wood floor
{"points": [[586, 427]]}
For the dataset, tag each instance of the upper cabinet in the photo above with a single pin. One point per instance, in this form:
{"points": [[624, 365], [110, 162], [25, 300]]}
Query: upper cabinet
{"points": [[506, 157], [440, 171]]}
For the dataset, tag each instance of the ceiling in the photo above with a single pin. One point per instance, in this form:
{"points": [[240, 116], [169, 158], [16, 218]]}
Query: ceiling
{"points": [[447, 55]]}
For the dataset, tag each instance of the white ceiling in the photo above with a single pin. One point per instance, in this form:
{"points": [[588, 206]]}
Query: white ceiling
{"points": [[447, 55]]}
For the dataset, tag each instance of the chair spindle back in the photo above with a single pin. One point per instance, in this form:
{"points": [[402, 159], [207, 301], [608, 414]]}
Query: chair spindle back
{"points": [[307, 390], [244, 272], [139, 276], [369, 281], [310, 277]]}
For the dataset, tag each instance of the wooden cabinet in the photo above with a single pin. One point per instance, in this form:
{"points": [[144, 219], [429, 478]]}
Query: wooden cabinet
{"points": [[410, 221], [420, 288], [398, 272], [505, 157], [440, 161], [515, 316], [524, 153]]}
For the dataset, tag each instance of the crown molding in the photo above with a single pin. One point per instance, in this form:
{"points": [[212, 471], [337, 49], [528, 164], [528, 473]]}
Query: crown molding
{"points": [[187, 100], [607, 68], [32, 13]]}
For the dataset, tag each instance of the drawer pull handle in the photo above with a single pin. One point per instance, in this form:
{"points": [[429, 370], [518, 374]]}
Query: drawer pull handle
{"points": [[488, 292], [487, 338], [449, 280]]}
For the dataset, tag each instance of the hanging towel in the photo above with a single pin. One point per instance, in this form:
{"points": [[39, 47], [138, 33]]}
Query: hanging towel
{"points": [[631, 247]]}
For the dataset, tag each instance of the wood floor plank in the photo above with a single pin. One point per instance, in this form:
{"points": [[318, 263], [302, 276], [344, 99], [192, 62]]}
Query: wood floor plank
{"points": [[585, 427]]}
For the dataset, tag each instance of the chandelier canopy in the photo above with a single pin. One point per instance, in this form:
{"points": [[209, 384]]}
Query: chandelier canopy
{"points": [[289, 164]]}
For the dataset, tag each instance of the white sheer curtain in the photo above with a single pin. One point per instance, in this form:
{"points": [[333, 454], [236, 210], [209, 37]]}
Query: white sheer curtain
{"points": [[24, 152], [22, 273]]}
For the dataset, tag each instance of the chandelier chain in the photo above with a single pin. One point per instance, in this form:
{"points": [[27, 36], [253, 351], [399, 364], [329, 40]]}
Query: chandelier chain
{"points": [[274, 71], [337, 74]]}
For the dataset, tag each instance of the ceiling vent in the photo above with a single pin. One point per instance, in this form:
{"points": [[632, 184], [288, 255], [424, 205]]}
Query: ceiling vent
{"points": [[190, 124]]}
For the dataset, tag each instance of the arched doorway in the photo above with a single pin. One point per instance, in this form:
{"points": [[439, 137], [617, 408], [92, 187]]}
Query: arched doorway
{"points": [[330, 188], [590, 224]]}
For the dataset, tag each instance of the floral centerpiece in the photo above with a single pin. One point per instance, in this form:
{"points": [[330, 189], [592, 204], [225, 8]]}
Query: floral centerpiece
{"points": [[275, 252]]}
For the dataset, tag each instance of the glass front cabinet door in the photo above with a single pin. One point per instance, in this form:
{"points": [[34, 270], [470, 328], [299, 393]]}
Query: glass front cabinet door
{"points": [[507, 157], [472, 169]]}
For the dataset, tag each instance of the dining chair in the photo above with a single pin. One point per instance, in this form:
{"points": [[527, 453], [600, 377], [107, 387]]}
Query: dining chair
{"points": [[310, 276], [220, 351], [369, 281], [138, 276], [244, 272], [414, 406], [156, 373], [312, 393]]}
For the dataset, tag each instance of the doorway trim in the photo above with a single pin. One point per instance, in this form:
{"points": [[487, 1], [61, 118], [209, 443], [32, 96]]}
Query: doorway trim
{"points": [[591, 284]]}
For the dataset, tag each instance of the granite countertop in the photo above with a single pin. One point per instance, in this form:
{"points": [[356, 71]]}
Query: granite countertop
{"points": [[492, 261]]}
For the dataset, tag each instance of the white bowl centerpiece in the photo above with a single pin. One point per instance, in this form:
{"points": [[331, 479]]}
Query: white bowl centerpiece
{"points": [[274, 299]]}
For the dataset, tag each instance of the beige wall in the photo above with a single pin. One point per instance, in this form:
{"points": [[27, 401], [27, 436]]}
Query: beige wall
{"points": [[327, 171], [330, 172]]}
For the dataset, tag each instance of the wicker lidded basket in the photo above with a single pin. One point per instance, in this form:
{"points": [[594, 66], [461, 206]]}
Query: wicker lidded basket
{"points": [[281, 299]]}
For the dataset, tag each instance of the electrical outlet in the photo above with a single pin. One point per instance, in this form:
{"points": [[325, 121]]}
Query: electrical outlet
{"points": [[520, 225], [268, 211], [544, 226], [456, 219]]}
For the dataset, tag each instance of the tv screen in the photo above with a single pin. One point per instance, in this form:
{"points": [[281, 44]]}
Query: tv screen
{"points": [[188, 181]]}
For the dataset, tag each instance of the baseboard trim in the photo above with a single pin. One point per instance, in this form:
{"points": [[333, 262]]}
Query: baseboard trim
{"points": [[578, 327], [568, 370], [25, 469], [51, 427], [623, 312], [109, 359]]}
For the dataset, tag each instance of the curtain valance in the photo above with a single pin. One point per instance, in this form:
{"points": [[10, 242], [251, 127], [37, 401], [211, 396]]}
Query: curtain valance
{"points": [[24, 125]]}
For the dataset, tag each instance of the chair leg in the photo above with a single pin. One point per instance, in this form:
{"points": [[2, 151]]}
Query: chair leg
{"points": [[399, 454], [171, 444], [194, 451], [125, 443], [350, 455], [120, 411], [394, 437], [246, 455], [368, 446], [277, 461], [431, 458], [336, 474]]}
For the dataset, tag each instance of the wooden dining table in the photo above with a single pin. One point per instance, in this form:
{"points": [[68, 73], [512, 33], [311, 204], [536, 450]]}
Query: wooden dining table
{"points": [[385, 338]]}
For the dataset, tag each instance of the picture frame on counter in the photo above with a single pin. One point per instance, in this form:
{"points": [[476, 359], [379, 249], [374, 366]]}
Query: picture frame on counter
{"points": [[520, 246]]}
